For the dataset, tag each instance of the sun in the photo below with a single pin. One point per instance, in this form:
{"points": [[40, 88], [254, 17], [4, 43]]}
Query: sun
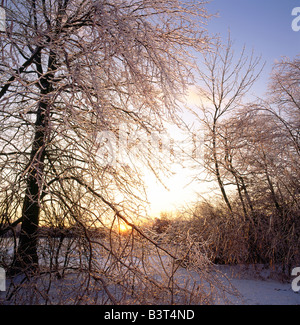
{"points": [[123, 228]]}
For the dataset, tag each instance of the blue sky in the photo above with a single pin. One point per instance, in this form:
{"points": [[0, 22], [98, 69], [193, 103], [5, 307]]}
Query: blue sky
{"points": [[262, 25]]}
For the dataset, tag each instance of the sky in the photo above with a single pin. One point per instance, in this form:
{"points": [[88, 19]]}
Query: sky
{"points": [[264, 26]]}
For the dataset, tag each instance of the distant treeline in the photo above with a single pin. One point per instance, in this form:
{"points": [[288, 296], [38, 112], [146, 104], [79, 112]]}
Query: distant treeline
{"points": [[55, 232]]}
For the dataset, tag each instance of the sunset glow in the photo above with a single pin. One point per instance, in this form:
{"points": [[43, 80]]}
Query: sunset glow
{"points": [[123, 228]]}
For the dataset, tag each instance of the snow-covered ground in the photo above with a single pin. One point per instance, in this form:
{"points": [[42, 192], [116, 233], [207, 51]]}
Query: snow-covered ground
{"points": [[258, 286]]}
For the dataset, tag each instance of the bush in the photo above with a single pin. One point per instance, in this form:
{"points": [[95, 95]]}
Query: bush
{"points": [[231, 239]]}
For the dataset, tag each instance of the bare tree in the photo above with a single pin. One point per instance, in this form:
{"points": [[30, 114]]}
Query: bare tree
{"points": [[225, 80], [79, 80], [257, 153], [284, 101]]}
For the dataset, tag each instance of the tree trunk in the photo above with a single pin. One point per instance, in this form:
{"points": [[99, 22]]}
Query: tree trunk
{"points": [[26, 258], [217, 169]]}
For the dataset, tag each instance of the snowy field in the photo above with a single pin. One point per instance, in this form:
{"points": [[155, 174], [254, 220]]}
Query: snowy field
{"points": [[251, 285], [257, 287], [254, 286]]}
